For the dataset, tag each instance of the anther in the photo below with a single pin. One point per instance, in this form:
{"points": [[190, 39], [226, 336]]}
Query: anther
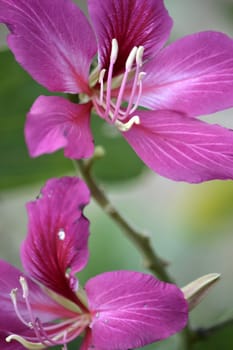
{"points": [[139, 55], [141, 75], [131, 58], [13, 295], [113, 58], [24, 286], [114, 51], [101, 82], [127, 126]]}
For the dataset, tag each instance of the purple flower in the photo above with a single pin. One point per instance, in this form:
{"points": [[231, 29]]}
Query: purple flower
{"points": [[193, 76], [46, 306]]}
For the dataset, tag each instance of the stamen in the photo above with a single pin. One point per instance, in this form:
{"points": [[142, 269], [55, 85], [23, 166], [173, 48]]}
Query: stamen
{"points": [[127, 126], [13, 295], [114, 51], [108, 108], [65, 342], [24, 286], [25, 289], [27, 344], [131, 58], [137, 82], [113, 58], [42, 335], [128, 67], [139, 55], [101, 82], [136, 103]]}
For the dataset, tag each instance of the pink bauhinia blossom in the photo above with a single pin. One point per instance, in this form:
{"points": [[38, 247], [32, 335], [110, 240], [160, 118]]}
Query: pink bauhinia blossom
{"points": [[46, 306], [193, 76]]}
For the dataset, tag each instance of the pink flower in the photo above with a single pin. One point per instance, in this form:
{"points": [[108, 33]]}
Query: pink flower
{"points": [[193, 76], [46, 306]]}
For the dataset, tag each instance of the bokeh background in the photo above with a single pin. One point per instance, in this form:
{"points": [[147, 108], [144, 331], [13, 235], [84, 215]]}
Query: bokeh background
{"points": [[191, 226]]}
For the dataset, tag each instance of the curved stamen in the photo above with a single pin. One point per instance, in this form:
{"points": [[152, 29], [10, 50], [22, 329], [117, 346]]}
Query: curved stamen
{"points": [[101, 82], [128, 67], [136, 103], [13, 295], [113, 58], [137, 80], [127, 126], [111, 110], [25, 290]]}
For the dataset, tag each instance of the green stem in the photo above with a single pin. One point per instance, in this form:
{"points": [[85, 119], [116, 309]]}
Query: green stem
{"points": [[141, 241]]}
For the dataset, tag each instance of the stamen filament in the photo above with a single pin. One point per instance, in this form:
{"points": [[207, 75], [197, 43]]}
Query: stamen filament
{"points": [[136, 103], [128, 67], [25, 289], [137, 81], [101, 82], [113, 59], [13, 295], [112, 109]]}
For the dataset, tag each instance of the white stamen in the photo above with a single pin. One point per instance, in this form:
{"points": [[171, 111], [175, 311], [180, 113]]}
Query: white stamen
{"points": [[141, 75], [27, 344], [13, 295], [131, 58], [114, 51], [101, 75], [61, 234], [24, 286], [113, 110], [139, 55], [101, 82], [127, 126]]}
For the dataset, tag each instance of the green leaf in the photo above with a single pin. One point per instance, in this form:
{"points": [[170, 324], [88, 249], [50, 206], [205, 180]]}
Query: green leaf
{"points": [[120, 162], [17, 93]]}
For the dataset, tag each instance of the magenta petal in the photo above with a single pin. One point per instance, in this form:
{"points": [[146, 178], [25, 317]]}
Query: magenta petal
{"points": [[182, 148], [56, 246], [193, 75], [133, 309], [52, 40], [132, 23], [54, 123]]}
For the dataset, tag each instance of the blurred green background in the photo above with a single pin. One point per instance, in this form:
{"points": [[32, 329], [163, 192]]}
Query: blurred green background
{"points": [[191, 226]]}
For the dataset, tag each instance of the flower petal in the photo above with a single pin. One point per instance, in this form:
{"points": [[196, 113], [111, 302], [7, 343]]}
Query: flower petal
{"points": [[52, 40], [182, 148], [133, 309], [42, 306], [132, 23], [56, 244], [54, 122], [194, 75]]}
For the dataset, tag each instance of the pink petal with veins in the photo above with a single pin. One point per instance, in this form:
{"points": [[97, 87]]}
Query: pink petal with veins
{"points": [[57, 239], [52, 40], [55, 123], [132, 23], [194, 75], [133, 309], [182, 148]]}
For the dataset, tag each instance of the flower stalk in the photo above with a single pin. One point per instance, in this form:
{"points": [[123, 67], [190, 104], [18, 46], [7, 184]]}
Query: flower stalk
{"points": [[140, 240]]}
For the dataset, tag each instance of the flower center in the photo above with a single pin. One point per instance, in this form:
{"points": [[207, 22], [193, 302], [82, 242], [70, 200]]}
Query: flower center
{"points": [[41, 336], [109, 107]]}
